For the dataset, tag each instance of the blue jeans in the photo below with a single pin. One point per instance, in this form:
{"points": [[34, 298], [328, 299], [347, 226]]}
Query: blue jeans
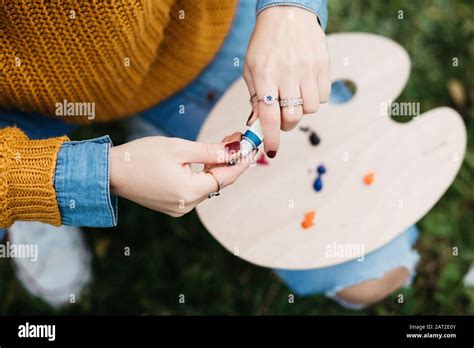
{"points": [[199, 97]]}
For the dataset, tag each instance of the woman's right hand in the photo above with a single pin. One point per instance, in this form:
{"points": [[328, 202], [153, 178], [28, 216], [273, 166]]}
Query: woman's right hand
{"points": [[155, 171]]}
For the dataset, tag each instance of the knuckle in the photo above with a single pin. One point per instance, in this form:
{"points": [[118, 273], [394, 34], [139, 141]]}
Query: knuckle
{"points": [[325, 93], [219, 155], [214, 153], [209, 151], [288, 66], [323, 60], [255, 60], [259, 72], [190, 197], [268, 115], [285, 127], [187, 196], [307, 61], [324, 97], [231, 180], [310, 108], [175, 214], [291, 115], [264, 71]]}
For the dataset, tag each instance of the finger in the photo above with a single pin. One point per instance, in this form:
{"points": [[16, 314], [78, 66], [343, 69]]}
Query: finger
{"points": [[248, 80], [290, 115], [224, 175], [197, 152], [253, 114], [269, 116], [227, 175], [205, 182], [324, 84], [310, 95], [250, 86], [208, 166], [237, 136]]}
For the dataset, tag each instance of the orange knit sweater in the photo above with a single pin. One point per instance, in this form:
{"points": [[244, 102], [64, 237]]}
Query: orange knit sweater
{"points": [[121, 56]]}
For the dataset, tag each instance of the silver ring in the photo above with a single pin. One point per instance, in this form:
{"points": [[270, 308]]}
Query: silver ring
{"points": [[268, 99], [213, 194], [216, 193], [291, 102], [252, 98]]}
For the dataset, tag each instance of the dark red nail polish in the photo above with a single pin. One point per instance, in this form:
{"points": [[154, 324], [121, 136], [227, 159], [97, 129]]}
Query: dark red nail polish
{"points": [[271, 154], [232, 147], [251, 114]]}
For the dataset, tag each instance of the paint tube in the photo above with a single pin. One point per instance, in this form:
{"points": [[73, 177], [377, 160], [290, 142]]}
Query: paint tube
{"points": [[252, 139]]}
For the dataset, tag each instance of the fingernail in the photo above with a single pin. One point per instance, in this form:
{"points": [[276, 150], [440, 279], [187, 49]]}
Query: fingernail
{"points": [[232, 147], [251, 114], [271, 154]]}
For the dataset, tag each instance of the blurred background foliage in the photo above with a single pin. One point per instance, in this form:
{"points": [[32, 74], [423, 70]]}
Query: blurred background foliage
{"points": [[177, 256]]}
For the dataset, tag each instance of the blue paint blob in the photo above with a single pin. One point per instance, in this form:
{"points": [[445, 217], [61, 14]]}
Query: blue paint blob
{"points": [[318, 184]]}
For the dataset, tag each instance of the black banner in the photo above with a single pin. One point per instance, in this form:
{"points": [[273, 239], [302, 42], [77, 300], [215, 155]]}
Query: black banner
{"points": [[133, 330]]}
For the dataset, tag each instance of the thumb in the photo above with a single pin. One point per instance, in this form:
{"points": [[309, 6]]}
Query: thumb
{"points": [[209, 153]]}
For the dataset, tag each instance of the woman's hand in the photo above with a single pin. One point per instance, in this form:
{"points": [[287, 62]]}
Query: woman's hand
{"points": [[155, 171], [287, 57]]}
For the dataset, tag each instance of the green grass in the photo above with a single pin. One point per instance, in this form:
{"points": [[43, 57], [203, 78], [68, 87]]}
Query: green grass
{"points": [[177, 256]]}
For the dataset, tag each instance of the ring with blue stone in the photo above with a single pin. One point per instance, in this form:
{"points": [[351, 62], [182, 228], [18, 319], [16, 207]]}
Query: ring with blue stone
{"points": [[269, 99]]}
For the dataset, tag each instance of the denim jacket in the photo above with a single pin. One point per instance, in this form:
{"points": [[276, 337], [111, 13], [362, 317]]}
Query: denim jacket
{"points": [[82, 169]]}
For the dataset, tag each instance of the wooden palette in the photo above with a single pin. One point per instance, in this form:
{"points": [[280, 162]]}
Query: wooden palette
{"points": [[258, 218]]}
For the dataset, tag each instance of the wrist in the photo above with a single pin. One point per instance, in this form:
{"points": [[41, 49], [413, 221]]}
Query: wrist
{"points": [[115, 163], [290, 9], [287, 13]]}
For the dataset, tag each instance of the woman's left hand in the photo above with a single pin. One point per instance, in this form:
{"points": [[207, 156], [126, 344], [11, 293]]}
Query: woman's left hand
{"points": [[287, 58]]}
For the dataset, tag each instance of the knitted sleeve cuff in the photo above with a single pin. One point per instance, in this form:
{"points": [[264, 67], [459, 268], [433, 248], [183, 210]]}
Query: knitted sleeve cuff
{"points": [[27, 170]]}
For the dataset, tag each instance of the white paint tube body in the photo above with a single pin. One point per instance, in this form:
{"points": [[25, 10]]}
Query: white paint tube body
{"points": [[252, 139]]}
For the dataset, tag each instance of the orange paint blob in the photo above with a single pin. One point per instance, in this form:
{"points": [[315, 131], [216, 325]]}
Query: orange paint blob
{"points": [[369, 178], [308, 220]]}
